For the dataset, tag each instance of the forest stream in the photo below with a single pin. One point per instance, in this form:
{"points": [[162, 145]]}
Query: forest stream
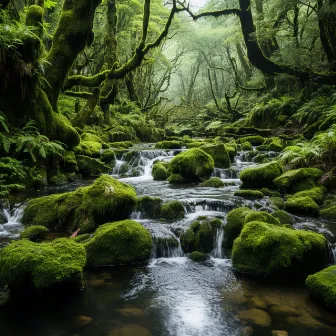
{"points": [[171, 295]]}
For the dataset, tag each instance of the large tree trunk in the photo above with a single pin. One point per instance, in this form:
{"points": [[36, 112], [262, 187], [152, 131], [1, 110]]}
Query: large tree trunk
{"points": [[73, 33]]}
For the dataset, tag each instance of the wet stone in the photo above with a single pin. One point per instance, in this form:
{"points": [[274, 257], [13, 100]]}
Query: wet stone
{"points": [[82, 321], [279, 333], [132, 312], [255, 316], [130, 330]]}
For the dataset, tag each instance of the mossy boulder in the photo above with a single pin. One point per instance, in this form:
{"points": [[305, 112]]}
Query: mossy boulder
{"points": [[70, 162], [302, 206], [219, 153], [85, 208], [108, 157], [322, 286], [172, 211], [277, 202], [316, 194], [150, 207], [197, 256], [89, 148], [284, 217], [200, 236], [34, 233], [214, 182], [276, 146], [193, 165], [159, 172], [120, 243], [298, 179], [91, 167], [261, 216], [122, 144], [176, 179], [249, 194], [173, 144], [231, 148], [55, 266], [264, 249], [255, 140], [260, 176], [329, 213], [246, 146]]}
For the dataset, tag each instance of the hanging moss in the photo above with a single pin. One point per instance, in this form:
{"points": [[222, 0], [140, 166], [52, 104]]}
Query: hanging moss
{"points": [[267, 250], [120, 243], [86, 208], [55, 266]]}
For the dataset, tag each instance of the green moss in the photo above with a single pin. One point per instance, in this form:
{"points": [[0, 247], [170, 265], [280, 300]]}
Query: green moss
{"points": [[159, 172], [108, 157], [150, 207], [172, 211], [89, 148], [284, 217], [255, 140], [214, 182], [91, 167], [231, 148], [271, 193], [124, 144], [316, 194], [83, 238], [322, 286], [219, 153], [85, 208], [249, 194], [302, 206], [261, 216], [91, 137], [119, 243], [197, 256], [58, 179], [261, 175], [195, 144], [267, 250], [176, 179], [25, 265], [34, 17], [263, 148], [288, 180], [169, 144], [276, 146], [234, 224], [34, 233], [329, 213], [277, 202], [70, 162], [193, 165], [246, 146]]}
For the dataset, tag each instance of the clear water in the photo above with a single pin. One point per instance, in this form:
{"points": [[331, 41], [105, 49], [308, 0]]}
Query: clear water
{"points": [[172, 295]]}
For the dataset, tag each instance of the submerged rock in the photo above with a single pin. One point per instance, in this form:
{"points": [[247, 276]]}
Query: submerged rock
{"points": [[107, 199], [267, 250], [130, 330], [119, 243], [58, 265], [193, 165], [256, 316]]}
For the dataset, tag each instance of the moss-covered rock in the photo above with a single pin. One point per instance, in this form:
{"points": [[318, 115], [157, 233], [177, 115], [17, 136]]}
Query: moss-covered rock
{"points": [[58, 265], [246, 146], [234, 224], [329, 213], [261, 175], [176, 179], [197, 256], [302, 206], [316, 194], [267, 250], [85, 208], [200, 236], [34, 233], [150, 207], [255, 140], [91, 167], [123, 144], [261, 216], [249, 194], [108, 157], [89, 148], [231, 148], [119, 243], [276, 146], [70, 162], [159, 172], [169, 144], [298, 179], [172, 211], [193, 165], [219, 153], [284, 217], [322, 286], [214, 182], [277, 202]]}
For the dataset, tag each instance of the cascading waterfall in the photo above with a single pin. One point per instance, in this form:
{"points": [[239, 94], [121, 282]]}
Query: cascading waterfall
{"points": [[217, 251], [12, 227]]}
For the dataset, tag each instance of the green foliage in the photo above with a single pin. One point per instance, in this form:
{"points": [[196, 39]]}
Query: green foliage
{"points": [[322, 286], [268, 250], [34, 233], [25, 265], [119, 243]]}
